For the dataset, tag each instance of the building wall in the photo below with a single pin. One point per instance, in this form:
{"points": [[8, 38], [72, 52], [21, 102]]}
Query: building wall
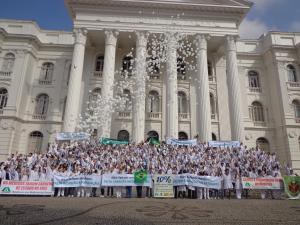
{"points": [[269, 56]]}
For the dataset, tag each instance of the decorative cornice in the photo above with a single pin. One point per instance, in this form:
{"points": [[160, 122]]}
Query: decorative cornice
{"points": [[237, 4]]}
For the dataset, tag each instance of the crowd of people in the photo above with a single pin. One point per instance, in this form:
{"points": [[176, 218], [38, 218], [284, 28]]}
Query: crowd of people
{"points": [[85, 158]]}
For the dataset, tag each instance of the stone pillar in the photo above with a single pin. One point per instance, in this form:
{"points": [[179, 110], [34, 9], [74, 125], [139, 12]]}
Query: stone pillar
{"points": [[74, 89], [298, 50], [172, 95], [203, 100], [108, 79], [234, 93], [138, 128]]}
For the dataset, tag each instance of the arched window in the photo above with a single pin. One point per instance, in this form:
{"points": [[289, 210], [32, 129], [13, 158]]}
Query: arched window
{"points": [[42, 102], [182, 136], [123, 135], [181, 69], [182, 103], [263, 144], [47, 73], [3, 98], [256, 112], [8, 62], [296, 105], [253, 78], [35, 142], [292, 75], [153, 102], [99, 63], [212, 106], [213, 137], [153, 134], [127, 66]]}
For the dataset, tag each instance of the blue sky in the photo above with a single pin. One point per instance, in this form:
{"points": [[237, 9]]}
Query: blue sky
{"points": [[266, 15]]}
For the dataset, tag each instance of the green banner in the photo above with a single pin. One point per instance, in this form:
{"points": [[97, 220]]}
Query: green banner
{"points": [[108, 141], [154, 141], [140, 176], [292, 186]]}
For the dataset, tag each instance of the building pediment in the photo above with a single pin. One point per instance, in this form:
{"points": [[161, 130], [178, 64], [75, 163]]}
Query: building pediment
{"points": [[242, 6], [199, 15], [224, 3]]}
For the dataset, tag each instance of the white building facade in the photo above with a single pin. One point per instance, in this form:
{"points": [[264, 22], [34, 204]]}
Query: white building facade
{"points": [[246, 90]]}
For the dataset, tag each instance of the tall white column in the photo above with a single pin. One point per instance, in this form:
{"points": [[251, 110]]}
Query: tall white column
{"points": [[234, 93], [108, 79], [203, 106], [73, 98], [172, 95], [138, 128]]}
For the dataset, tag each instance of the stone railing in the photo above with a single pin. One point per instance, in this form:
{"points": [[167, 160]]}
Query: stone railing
{"points": [[39, 117], [5, 74], [154, 76], [184, 116], [98, 74], [124, 115], [259, 124], [45, 82], [293, 85], [154, 115], [255, 89]]}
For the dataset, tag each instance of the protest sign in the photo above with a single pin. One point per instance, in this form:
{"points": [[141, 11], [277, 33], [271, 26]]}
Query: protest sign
{"points": [[224, 144], [123, 180], [11, 187], [197, 181], [163, 186], [77, 181], [68, 136], [172, 141], [108, 141], [263, 183]]}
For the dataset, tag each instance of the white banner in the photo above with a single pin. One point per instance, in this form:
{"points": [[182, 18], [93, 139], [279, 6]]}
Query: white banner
{"points": [[81, 136], [123, 180], [77, 181], [11, 187], [262, 183], [198, 181], [172, 141], [224, 144]]}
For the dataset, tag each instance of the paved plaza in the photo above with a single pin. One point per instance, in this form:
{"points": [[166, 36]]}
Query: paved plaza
{"points": [[99, 211]]}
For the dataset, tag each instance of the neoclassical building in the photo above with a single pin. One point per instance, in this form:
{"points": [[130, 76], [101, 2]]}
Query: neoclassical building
{"points": [[246, 90]]}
